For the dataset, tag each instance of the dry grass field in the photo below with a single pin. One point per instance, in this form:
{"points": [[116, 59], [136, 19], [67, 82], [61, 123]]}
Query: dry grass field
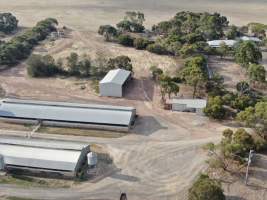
{"points": [[162, 155]]}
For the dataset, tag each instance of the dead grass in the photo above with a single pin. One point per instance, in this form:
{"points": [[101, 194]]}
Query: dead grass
{"points": [[80, 132], [27, 181]]}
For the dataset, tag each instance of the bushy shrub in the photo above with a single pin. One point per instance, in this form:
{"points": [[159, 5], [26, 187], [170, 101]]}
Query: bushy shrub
{"points": [[157, 49], [126, 40], [42, 66], [141, 43]]}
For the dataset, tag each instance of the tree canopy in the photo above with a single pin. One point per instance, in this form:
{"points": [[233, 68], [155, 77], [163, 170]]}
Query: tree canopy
{"points": [[247, 53], [257, 73], [205, 188], [8, 22], [20, 47], [195, 72]]}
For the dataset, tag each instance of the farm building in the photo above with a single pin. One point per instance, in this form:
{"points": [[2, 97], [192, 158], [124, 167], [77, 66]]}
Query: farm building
{"points": [[35, 155], [249, 38], [218, 43], [113, 83], [63, 114], [188, 105]]}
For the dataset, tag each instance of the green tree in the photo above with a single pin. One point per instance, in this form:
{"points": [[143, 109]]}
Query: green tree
{"points": [[258, 29], [243, 87], [141, 43], [122, 62], [156, 72], [255, 117], [205, 188], [42, 66], [223, 50], [72, 64], [247, 53], [232, 33], [215, 108], [132, 22], [215, 85], [8, 22], [168, 86], [195, 73], [108, 31], [126, 40], [257, 73], [157, 49]]}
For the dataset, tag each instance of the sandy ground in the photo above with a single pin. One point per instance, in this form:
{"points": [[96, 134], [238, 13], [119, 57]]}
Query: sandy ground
{"points": [[161, 156], [89, 14], [231, 72]]}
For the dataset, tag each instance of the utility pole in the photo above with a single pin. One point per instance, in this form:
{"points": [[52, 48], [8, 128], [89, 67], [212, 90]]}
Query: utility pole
{"points": [[249, 162]]}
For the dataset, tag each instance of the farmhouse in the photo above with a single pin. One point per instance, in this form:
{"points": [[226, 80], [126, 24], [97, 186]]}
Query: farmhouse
{"points": [[113, 83], [188, 105], [63, 114], [35, 155], [218, 43]]}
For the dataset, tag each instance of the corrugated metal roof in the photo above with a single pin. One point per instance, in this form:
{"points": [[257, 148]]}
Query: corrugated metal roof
{"points": [[43, 143], [247, 38], [190, 103], [217, 43], [70, 112], [53, 159], [117, 76]]}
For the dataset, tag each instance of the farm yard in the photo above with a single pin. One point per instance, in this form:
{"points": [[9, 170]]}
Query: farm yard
{"points": [[162, 155]]}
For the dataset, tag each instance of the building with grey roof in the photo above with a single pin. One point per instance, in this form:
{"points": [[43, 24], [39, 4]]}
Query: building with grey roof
{"points": [[113, 83], [19, 153], [67, 114], [188, 105], [218, 43]]}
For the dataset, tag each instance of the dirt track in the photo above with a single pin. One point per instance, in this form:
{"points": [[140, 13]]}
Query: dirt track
{"points": [[162, 155]]}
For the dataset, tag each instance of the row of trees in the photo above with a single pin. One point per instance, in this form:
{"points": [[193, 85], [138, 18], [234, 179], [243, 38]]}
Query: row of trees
{"points": [[75, 65], [8, 23], [20, 47], [185, 34]]}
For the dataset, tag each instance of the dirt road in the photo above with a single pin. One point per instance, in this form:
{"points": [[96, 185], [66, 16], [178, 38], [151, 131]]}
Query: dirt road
{"points": [[156, 165]]}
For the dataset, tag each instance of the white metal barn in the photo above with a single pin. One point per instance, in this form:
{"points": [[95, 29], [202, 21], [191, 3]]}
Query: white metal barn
{"points": [[63, 114], [188, 105], [66, 158], [112, 84]]}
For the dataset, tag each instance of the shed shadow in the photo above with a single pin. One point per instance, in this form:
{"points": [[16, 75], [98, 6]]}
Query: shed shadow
{"points": [[124, 177], [234, 198], [139, 89], [147, 125]]}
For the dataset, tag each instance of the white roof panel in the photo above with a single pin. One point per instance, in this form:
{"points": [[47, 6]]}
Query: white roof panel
{"points": [[190, 103], [117, 76], [247, 38], [68, 112], [53, 159], [217, 43]]}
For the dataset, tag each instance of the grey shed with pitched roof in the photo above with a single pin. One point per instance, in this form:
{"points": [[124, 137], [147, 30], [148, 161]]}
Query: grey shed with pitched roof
{"points": [[112, 84]]}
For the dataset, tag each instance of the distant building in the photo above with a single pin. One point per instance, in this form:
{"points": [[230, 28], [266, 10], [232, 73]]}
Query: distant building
{"points": [[66, 158], [113, 83], [188, 105], [218, 43], [249, 38], [63, 114]]}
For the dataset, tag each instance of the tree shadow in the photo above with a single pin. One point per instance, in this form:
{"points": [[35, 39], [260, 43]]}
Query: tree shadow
{"points": [[234, 198], [124, 177], [147, 125]]}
